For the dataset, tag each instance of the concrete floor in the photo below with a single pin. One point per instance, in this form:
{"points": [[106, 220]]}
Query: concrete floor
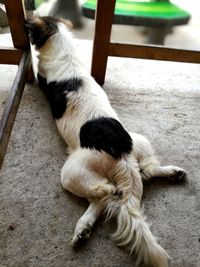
{"points": [[37, 217]]}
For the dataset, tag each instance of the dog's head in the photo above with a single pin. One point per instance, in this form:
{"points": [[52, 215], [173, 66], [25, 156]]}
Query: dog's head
{"points": [[42, 28]]}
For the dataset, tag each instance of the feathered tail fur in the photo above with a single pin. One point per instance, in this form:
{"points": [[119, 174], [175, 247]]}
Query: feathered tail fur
{"points": [[132, 229]]}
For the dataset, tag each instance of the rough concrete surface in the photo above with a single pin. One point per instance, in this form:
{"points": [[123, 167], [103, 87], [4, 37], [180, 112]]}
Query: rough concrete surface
{"points": [[37, 217]]}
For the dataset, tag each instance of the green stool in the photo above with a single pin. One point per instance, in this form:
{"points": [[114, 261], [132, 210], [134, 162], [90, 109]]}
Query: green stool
{"points": [[159, 16]]}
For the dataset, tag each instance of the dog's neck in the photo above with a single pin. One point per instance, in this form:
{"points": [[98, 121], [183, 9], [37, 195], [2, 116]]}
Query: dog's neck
{"points": [[57, 58]]}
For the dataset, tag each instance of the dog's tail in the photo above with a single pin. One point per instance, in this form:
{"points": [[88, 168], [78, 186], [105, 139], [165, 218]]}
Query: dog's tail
{"points": [[133, 231]]}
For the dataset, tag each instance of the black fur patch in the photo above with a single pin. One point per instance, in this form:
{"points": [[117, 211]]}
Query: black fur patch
{"points": [[42, 82], [106, 134], [56, 93]]}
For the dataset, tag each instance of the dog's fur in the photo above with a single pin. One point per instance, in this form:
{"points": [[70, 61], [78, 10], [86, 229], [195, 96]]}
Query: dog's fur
{"points": [[106, 164]]}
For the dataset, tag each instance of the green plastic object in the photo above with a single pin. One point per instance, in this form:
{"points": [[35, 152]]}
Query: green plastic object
{"points": [[142, 13], [38, 3]]}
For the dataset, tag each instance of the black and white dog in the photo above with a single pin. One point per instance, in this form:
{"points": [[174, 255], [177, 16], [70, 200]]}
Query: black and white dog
{"points": [[106, 164]]}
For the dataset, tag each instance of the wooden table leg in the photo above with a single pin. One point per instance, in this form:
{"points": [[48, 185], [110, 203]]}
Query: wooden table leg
{"points": [[103, 26], [12, 104]]}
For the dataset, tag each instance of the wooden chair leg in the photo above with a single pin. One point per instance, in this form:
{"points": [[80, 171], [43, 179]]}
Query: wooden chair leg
{"points": [[103, 26], [31, 76], [12, 104], [15, 14], [16, 18]]}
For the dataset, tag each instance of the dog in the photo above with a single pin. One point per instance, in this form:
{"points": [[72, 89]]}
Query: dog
{"points": [[106, 164]]}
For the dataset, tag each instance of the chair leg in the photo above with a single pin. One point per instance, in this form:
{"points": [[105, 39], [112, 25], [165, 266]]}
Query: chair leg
{"points": [[12, 104], [31, 76], [15, 14], [16, 18], [103, 26]]}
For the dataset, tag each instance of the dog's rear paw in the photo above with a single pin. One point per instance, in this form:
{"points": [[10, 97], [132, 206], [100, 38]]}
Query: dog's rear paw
{"points": [[102, 190], [80, 236], [178, 174]]}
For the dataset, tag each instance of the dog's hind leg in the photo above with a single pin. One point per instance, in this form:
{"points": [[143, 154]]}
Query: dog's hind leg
{"points": [[148, 163], [86, 222], [81, 181], [171, 172]]}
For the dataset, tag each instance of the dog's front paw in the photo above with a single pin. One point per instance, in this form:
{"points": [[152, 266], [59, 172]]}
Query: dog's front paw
{"points": [[81, 235]]}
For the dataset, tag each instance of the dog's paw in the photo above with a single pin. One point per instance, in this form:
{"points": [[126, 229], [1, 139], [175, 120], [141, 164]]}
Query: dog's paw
{"points": [[100, 191], [178, 174], [81, 235]]}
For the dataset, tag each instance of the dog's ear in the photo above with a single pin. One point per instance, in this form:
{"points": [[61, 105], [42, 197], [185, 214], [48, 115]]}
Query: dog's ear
{"points": [[67, 23], [28, 24], [33, 30], [33, 23]]}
